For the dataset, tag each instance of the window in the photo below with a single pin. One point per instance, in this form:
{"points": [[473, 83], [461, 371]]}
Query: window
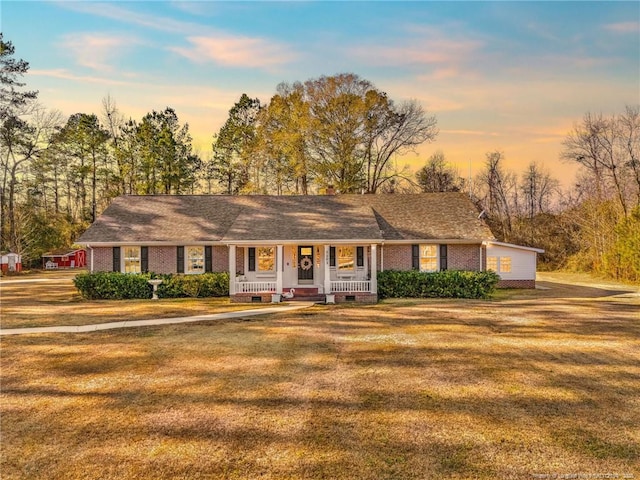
{"points": [[428, 258], [131, 259], [195, 260], [505, 264], [345, 258], [492, 263], [499, 264], [266, 259]]}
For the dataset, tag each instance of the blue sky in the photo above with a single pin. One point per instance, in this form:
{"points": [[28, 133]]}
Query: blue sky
{"points": [[512, 76]]}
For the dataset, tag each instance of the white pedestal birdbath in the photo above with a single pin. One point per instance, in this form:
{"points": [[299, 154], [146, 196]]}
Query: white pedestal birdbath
{"points": [[155, 282]]}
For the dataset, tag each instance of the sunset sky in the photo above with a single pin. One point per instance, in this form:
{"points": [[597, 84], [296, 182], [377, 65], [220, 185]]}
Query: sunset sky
{"points": [[511, 76]]}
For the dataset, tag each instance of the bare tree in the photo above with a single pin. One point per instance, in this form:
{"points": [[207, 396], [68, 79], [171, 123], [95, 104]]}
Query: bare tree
{"points": [[438, 176], [497, 193], [538, 188], [608, 148]]}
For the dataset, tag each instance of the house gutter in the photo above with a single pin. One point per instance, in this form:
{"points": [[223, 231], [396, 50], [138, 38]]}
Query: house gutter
{"points": [[91, 249]]}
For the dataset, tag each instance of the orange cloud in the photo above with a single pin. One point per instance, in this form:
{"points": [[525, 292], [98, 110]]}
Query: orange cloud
{"points": [[235, 51], [97, 51]]}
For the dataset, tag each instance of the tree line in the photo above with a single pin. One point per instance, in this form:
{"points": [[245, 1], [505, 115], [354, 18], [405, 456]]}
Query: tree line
{"points": [[59, 173]]}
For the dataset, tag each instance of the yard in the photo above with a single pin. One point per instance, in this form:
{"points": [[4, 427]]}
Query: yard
{"points": [[532, 384]]}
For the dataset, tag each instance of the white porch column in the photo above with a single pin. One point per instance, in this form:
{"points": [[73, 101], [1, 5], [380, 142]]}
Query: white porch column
{"points": [[327, 270], [279, 268], [232, 269], [374, 268]]}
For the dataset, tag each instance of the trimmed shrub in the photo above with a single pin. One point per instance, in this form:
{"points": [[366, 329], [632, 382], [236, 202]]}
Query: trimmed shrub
{"points": [[112, 286], [205, 285], [119, 286], [447, 284]]}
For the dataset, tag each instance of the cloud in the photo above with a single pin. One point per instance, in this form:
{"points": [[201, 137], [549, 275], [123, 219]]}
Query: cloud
{"points": [[63, 74], [429, 47], [97, 51], [227, 50], [206, 44], [115, 12], [623, 27], [435, 54]]}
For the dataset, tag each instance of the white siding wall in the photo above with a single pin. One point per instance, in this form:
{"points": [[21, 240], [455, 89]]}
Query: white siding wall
{"points": [[523, 262]]}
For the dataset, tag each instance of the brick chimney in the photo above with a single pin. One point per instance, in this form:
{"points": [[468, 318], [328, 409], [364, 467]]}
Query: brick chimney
{"points": [[331, 190]]}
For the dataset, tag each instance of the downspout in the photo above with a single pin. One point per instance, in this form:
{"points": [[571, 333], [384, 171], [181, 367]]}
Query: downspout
{"points": [[91, 248], [481, 255]]}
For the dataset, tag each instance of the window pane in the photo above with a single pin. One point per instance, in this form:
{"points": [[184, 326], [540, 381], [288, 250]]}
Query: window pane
{"points": [[306, 251], [345, 258], [492, 263], [428, 264], [131, 259], [428, 251], [428, 258], [266, 259], [195, 260], [505, 264]]}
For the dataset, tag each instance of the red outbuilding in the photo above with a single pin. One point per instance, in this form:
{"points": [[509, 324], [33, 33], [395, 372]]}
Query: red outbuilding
{"points": [[64, 258], [10, 262]]}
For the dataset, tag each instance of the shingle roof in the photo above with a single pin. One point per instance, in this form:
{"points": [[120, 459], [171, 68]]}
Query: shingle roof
{"points": [[223, 218]]}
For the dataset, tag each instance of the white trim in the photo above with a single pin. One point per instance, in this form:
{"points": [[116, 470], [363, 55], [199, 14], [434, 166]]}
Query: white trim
{"points": [[511, 245], [374, 266], [334, 242], [232, 270], [354, 241], [279, 267], [327, 268], [156, 243]]}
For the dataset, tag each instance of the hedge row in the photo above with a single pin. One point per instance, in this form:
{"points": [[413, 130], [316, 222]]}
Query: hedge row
{"points": [[391, 284], [119, 286], [447, 284]]}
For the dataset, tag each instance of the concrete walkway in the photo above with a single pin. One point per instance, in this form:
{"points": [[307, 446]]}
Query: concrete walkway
{"points": [[158, 321]]}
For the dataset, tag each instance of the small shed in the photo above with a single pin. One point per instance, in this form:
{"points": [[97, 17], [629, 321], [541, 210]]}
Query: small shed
{"points": [[64, 258], [515, 264], [11, 262]]}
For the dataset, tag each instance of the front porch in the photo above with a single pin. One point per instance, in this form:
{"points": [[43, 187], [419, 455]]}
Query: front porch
{"points": [[307, 272]]}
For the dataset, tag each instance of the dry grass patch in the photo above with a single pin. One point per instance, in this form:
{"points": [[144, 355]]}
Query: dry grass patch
{"points": [[536, 383], [56, 301]]}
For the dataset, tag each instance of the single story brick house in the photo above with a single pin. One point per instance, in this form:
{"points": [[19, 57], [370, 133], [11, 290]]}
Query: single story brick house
{"points": [[316, 244]]}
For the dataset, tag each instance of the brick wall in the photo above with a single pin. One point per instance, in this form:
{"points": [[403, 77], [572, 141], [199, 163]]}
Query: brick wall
{"points": [[459, 257], [397, 257], [102, 259], [359, 297], [163, 259], [517, 284], [248, 297], [220, 261], [463, 257], [239, 260]]}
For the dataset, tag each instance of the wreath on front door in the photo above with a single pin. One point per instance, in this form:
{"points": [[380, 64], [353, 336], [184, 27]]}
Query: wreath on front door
{"points": [[305, 263]]}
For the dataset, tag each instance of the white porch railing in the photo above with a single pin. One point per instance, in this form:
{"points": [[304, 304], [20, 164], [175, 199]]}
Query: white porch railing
{"points": [[255, 287], [351, 286]]}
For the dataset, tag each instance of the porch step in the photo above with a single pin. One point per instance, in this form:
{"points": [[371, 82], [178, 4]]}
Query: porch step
{"points": [[302, 291], [305, 298]]}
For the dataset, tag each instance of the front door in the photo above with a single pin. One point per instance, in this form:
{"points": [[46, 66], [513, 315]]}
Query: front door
{"points": [[305, 265]]}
